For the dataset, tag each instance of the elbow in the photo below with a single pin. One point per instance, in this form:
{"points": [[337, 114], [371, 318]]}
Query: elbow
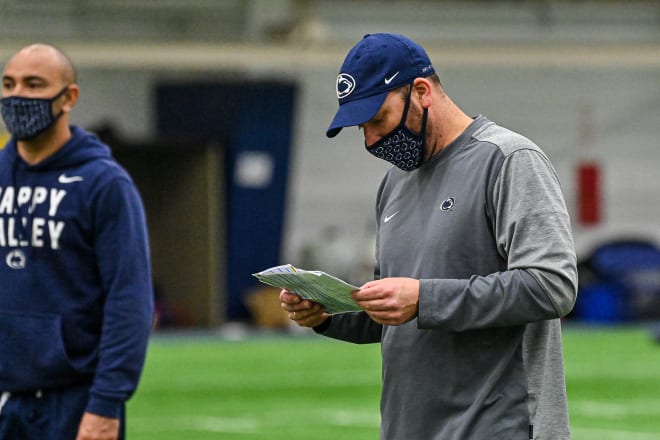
{"points": [[566, 295], [566, 302], [560, 291]]}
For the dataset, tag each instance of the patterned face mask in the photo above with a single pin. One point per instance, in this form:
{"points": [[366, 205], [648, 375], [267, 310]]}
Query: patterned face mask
{"points": [[401, 147], [25, 118]]}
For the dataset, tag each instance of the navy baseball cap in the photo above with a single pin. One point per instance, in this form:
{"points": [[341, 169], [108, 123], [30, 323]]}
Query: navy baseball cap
{"points": [[375, 65]]}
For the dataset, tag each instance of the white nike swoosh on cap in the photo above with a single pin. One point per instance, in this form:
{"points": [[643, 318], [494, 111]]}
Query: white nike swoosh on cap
{"points": [[68, 179], [389, 80]]}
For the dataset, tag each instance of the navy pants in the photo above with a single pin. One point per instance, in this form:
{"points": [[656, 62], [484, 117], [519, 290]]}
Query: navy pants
{"points": [[45, 415]]}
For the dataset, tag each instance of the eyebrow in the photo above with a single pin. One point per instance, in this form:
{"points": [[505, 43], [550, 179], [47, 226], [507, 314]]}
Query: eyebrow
{"points": [[27, 78], [35, 78]]}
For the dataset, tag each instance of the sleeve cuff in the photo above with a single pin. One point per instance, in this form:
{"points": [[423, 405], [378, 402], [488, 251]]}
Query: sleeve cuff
{"points": [[102, 406], [322, 327]]}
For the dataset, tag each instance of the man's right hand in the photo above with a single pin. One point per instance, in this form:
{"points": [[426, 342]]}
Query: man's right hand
{"points": [[95, 427], [303, 312]]}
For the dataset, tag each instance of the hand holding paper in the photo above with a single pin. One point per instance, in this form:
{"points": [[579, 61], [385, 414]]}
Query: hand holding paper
{"points": [[331, 292]]}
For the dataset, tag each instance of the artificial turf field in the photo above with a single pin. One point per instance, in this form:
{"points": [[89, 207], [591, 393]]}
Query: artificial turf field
{"points": [[304, 387]]}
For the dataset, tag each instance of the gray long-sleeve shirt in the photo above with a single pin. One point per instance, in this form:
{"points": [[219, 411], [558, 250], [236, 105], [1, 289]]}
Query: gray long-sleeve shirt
{"points": [[484, 227]]}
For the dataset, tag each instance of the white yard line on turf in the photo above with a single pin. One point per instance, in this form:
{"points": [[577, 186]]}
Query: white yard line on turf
{"points": [[615, 410], [242, 425], [612, 434]]}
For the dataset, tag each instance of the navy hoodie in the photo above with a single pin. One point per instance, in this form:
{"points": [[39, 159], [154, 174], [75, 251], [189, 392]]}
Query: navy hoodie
{"points": [[76, 298]]}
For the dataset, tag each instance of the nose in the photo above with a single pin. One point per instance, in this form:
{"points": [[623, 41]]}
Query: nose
{"points": [[371, 136]]}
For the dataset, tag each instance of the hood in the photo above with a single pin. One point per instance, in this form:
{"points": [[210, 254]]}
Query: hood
{"points": [[81, 148]]}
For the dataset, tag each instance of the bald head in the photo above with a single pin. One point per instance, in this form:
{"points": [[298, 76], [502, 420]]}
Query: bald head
{"points": [[50, 57]]}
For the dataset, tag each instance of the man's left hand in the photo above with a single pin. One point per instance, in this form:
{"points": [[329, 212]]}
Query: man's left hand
{"points": [[390, 301]]}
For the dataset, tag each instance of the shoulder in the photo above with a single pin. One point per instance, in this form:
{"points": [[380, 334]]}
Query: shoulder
{"points": [[93, 157], [109, 169], [109, 179], [506, 140]]}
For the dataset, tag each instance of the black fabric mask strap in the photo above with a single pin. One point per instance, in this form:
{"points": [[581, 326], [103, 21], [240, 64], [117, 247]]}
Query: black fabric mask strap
{"points": [[55, 98], [424, 118], [61, 92], [405, 109]]}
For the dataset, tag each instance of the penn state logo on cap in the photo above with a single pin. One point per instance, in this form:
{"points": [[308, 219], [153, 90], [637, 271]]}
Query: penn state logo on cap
{"points": [[345, 85]]}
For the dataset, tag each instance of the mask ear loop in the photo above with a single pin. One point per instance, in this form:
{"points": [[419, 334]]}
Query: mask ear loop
{"points": [[405, 115], [423, 133], [405, 109], [61, 92], [55, 98]]}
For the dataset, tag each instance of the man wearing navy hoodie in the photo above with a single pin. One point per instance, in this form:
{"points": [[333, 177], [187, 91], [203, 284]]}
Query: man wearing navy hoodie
{"points": [[75, 282]]}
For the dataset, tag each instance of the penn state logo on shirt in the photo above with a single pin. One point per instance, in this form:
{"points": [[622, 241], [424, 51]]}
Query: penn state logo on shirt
{"points": [[448, 204], [16, 259], [345, 85]]}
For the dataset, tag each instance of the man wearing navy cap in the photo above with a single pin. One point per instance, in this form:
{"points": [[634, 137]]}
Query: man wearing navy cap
{"points": [[475, 260]]}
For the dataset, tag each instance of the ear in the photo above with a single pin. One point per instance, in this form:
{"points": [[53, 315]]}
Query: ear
{"points": [[422, 90], [71, 95]]}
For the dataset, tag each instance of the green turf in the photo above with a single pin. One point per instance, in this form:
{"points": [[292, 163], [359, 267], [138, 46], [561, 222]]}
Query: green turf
{"points": [[309, 387], [263, 388], [613, 382]]}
